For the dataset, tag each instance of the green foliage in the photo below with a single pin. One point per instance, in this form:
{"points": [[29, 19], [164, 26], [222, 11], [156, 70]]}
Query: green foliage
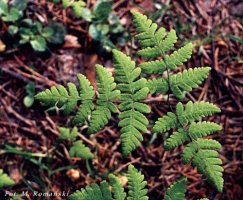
{"points": [[80, 150], [11, 12], [114, 190], [156, 42], [28, 31], [200, 152], [136, 189], [133, 90], [29, 98], [187, 80], [66, 134], [136, 185], [177, 190], [38, 35], [70, 97], [117, 188], [5, 180], [200, 129], [76, 5], [104, 106], [129, 89]]}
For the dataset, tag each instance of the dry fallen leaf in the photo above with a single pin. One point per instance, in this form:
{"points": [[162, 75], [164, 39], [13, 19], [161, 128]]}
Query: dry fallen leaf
{"points": [[2, 46]]}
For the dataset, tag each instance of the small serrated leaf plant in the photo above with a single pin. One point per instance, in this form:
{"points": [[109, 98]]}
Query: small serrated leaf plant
{"points": [[78, 6], [125, 93], [5, 180], [77, 149], [27, 31]]}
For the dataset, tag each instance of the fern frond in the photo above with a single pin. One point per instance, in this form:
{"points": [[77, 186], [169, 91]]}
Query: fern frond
{"points": [[194, 111], [66, 134], [177, 190], [200, 129], [5, 180], [80, 150], [202, 154], [159, 85], [133, 89], [165, 123], [187, 80], [117, 189], [104, 106], [136, 185], [176, 139], [93, 192]]}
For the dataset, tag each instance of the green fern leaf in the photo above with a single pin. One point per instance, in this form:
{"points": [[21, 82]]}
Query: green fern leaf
{"points": [[187, 80], [104, 106], [202, 154], [5, 180], [86, 94], [136, 185], [177, 190], [117, 188], [178, 57], [165, 123], [93, 192], [194, 111], [69, 98], [200, 129], [133, 89], [80, 150], [159, 85], [65, 134], [176, 139]]}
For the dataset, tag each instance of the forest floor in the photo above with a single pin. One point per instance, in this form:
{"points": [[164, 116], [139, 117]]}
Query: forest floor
{"points": [[28, 135]]}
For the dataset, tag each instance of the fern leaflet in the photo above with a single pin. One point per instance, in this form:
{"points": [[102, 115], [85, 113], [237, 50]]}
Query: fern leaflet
{"points": [[93, 192], [133, 89], [66, 134], [200, 129], [136, 185], [194, 111], [177, 190], [80, 150], [5, 180], [104, 105], [158, 85], [203, 155], [165, 123], [176, 138], [187, 80], [117, 188]]}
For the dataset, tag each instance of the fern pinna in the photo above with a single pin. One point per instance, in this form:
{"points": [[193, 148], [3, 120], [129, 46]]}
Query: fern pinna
{"points": [[97, 115], [200, 152], [133, 90], [156, 43]]}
